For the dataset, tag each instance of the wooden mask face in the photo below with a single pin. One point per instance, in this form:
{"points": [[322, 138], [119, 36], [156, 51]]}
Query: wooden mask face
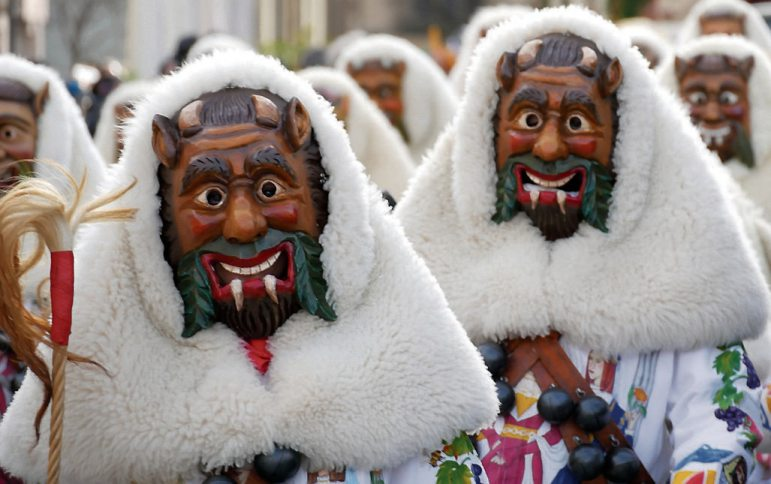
{"points": [[382, 81], [722, 24], [555, 130], [19, 109], [716, 88], [243, 210]]}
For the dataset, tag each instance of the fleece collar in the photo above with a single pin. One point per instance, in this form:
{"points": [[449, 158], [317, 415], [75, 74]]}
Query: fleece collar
{"points": [[673, 271]]}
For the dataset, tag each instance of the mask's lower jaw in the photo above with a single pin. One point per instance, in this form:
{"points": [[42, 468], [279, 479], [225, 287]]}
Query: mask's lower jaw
{"points": [[269, 273], [562, 190]]}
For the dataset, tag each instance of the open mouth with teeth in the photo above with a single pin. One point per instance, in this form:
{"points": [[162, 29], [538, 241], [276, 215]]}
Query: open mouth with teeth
{"points": [[563, 189], [714, 136], [268, 273]]}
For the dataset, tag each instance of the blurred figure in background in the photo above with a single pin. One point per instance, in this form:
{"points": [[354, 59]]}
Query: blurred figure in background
{"points": [[651, 45], [116, 110], [733, 17], [406, 84]]}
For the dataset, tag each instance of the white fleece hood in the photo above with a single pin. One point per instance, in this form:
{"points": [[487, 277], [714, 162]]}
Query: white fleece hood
{"points": [[127, 92], [673, 271], [429, 101], [369, 390], [376, 143], [755, 28], [484, 18]]}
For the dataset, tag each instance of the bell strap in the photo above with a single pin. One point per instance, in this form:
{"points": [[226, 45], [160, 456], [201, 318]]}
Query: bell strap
{"points": [[551, 366]]}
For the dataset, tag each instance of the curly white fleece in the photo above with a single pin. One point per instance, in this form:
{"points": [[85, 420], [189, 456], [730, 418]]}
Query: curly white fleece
{"points": [[393, 375], [674, 272]]}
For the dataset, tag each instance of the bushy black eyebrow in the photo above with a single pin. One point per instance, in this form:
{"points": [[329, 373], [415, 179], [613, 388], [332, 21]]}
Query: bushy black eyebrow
{"points": [[205, 165], [580, 98], [536, 96], [269, 156]]}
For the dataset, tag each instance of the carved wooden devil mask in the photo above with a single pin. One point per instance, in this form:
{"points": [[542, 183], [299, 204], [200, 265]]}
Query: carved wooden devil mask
{"points": [[243, 208]]}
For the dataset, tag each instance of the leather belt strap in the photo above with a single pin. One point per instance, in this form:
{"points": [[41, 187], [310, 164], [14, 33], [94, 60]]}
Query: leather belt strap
{"points": [[551, 366]]}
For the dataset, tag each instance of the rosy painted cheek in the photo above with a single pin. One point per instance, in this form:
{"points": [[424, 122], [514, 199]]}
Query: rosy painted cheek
{"points": [[519, 143], [734, 111], [285, 213], [392, 104], [201, 225], [20, 152], [584, 147]]}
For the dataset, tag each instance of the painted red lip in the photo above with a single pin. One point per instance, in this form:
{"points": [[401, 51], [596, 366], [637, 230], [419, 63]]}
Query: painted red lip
{"points": [[571, 182], [253, 286]]}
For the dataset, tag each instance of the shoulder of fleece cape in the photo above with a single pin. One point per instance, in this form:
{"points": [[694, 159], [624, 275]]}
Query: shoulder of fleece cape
{"points": [[104, 137], [429, 101], [375, 142], [662, 278], [759, 93], [370, 390], [62, 133], [756, 28], [484, 18]]}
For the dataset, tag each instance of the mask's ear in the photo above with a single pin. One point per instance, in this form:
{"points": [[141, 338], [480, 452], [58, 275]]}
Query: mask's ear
{"points": [[165, 139], [40, 100], [297, 124], [611, 78], [745, 66], [400, 67], [681, 66], [506, 70]]}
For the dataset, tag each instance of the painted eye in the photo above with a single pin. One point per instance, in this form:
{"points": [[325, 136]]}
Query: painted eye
{"points": [[697, 98], [529, 119], [212, 197], [577, 123], [8, 132], [728, 97], [269, 189]]}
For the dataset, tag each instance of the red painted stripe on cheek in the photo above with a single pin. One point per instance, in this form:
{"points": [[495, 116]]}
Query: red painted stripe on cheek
{"points": [[519, 143], [583, 147], [734, 111], [284, 213], [200, 224]]}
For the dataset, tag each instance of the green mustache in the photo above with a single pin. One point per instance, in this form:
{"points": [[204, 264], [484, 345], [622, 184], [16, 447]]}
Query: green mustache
{"points": [[598, 190], [195, 288]]}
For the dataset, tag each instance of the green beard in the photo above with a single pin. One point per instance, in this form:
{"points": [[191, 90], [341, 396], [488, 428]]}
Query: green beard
{"points": [[194, 286], [742, 146], [596, 200]]}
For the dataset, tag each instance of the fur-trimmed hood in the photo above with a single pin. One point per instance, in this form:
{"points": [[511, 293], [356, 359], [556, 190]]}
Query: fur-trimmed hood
{"points": [[127, 92], [369, 390], [755, 28], [429, 101], [673, 272], [484, 18], [754, 181], [375, 142]]}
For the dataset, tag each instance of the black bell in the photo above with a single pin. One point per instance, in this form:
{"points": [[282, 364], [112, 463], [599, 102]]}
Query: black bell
{"points": [[621, 464], [555, 405], [494, 357], [505, 397], [278, 466], [586, 462], [592, 413], [219, 480]]}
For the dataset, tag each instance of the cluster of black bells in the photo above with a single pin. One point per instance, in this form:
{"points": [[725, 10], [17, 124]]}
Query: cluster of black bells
{"points": [[278, 466], [591, 413]]}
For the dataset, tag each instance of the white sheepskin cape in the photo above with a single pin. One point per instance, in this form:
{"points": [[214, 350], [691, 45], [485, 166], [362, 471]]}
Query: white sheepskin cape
{"points": [[429, 101], [126, 92], [674, 271], [375, 142], [209, 43], [62, 138], [755, 28], [484, 18], [389, 379]]}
